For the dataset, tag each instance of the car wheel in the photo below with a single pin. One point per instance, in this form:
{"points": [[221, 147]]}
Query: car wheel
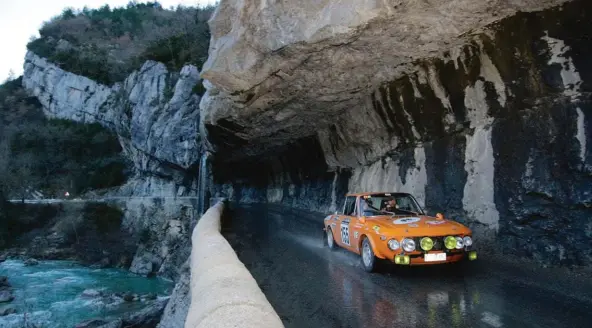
{"points": [[367, 254], [330, 240]]}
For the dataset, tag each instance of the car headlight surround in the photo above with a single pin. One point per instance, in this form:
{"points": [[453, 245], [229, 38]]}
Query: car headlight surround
{"points": [[393, 244], [468, 241], [408, 244], [459, 243], [450, 242], [426, 243]]}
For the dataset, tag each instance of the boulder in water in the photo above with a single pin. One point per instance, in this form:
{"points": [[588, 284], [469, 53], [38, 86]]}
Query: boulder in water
{"points": [[113, 324], [4, 281], [128, 297], [150, 297], [6, 310], [143, 263], [30, 262], [93, 323], [148, 317], [91, 293], [6, 296]]}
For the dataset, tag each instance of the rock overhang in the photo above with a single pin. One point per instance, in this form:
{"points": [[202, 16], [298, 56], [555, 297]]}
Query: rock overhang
{"points": [[279, 71]]}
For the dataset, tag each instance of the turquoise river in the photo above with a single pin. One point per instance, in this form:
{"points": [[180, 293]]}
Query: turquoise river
{"points": [[52, 293]]}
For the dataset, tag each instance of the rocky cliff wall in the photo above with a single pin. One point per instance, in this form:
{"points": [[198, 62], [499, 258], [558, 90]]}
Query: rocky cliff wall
{"points": [[493, 130], [153, 111], [155, 115]]}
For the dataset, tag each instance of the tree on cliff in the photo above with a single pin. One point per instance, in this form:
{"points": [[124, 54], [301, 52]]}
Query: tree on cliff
{"points": [[4, 157], [52, 155], [11, 76], [106, 44]]}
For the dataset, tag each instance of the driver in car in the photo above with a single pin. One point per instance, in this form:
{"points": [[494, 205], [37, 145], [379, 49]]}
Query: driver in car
{"points": [[391, 205]]}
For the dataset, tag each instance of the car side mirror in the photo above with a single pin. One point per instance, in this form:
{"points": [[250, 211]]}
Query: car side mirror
{"points": [[439, 216], [362, 219]]}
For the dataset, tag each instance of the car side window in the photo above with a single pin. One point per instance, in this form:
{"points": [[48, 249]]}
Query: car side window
{"points": [[350, 204]]}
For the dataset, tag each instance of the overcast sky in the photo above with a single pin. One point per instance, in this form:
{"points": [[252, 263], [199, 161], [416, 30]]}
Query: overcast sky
{"points": [[20, 19]]}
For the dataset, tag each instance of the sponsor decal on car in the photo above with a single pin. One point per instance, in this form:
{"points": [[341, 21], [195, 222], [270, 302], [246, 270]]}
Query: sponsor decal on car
{"points": [[435, 222], [376, 228], [413, 225], [406, 220], [356, 234]]}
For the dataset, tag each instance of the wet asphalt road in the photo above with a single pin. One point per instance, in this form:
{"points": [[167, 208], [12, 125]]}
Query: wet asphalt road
{"points": [[310, 286]]}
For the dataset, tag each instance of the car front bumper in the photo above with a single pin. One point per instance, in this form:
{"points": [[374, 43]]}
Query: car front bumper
{"points": [[422, 259]]}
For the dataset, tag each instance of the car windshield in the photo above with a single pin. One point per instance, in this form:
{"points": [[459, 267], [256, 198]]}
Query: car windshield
{"points": [[389, 204]]}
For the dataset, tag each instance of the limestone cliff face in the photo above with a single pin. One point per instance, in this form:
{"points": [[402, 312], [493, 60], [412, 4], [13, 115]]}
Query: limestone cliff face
{"points": [[153, 111], [155, 114], [490, 127], [278, 70]]}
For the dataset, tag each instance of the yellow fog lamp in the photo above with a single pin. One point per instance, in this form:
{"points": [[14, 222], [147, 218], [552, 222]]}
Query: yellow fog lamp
{"points": [[450, 242], [472, 255], [426, 243], [402, 259]]}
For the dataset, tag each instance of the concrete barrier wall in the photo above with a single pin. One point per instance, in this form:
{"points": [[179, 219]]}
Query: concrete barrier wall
{"points": [[223, 292]]}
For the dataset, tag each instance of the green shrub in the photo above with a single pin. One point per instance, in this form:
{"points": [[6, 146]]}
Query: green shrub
{"points": [[105, 218], [199, 89], [107, 44]]}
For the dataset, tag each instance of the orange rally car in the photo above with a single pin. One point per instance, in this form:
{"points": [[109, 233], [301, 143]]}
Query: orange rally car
{"points": [[393, 226]]}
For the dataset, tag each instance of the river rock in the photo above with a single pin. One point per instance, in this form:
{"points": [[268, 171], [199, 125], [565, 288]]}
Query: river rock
{"points": [[113, 324], [150, 297], [178, 306], [142, 263], [6, 296], [4, 281], [92, 323], [6, 310], [31, 262], [129, 297], [104, 263], [91, 293], [147, 317]]}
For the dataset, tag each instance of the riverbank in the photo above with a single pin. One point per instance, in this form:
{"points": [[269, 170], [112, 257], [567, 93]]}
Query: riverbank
{"points": [[65, 294]]}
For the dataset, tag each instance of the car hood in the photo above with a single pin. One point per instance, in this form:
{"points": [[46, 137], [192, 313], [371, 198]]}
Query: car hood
{"points": [[416, 224]]}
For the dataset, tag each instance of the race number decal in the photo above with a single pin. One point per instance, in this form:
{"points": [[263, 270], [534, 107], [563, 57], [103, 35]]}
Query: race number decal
{"points": [[345, 233]]}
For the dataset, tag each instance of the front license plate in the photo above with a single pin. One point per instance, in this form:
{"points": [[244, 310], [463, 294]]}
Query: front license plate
{"points": [[435, 257]]}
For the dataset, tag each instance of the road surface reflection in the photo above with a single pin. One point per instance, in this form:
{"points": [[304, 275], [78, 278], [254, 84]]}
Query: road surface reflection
{"points": [[310, 286]]}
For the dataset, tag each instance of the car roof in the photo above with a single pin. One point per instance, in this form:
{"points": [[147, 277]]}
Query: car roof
{"points": [[372, 193]]}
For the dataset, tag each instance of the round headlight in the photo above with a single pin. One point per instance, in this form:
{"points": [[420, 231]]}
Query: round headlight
{"points": [[408, 245], [468, 241], [393, 244], [450, 242], [459, 243], [426, 243]]}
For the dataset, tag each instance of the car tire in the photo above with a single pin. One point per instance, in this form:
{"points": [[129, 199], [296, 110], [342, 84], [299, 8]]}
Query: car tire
{"points": [[329, 239], [367, 256]]}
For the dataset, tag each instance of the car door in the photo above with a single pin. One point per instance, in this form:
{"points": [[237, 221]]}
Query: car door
{"points": [[344, 238], [356, 227]]}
